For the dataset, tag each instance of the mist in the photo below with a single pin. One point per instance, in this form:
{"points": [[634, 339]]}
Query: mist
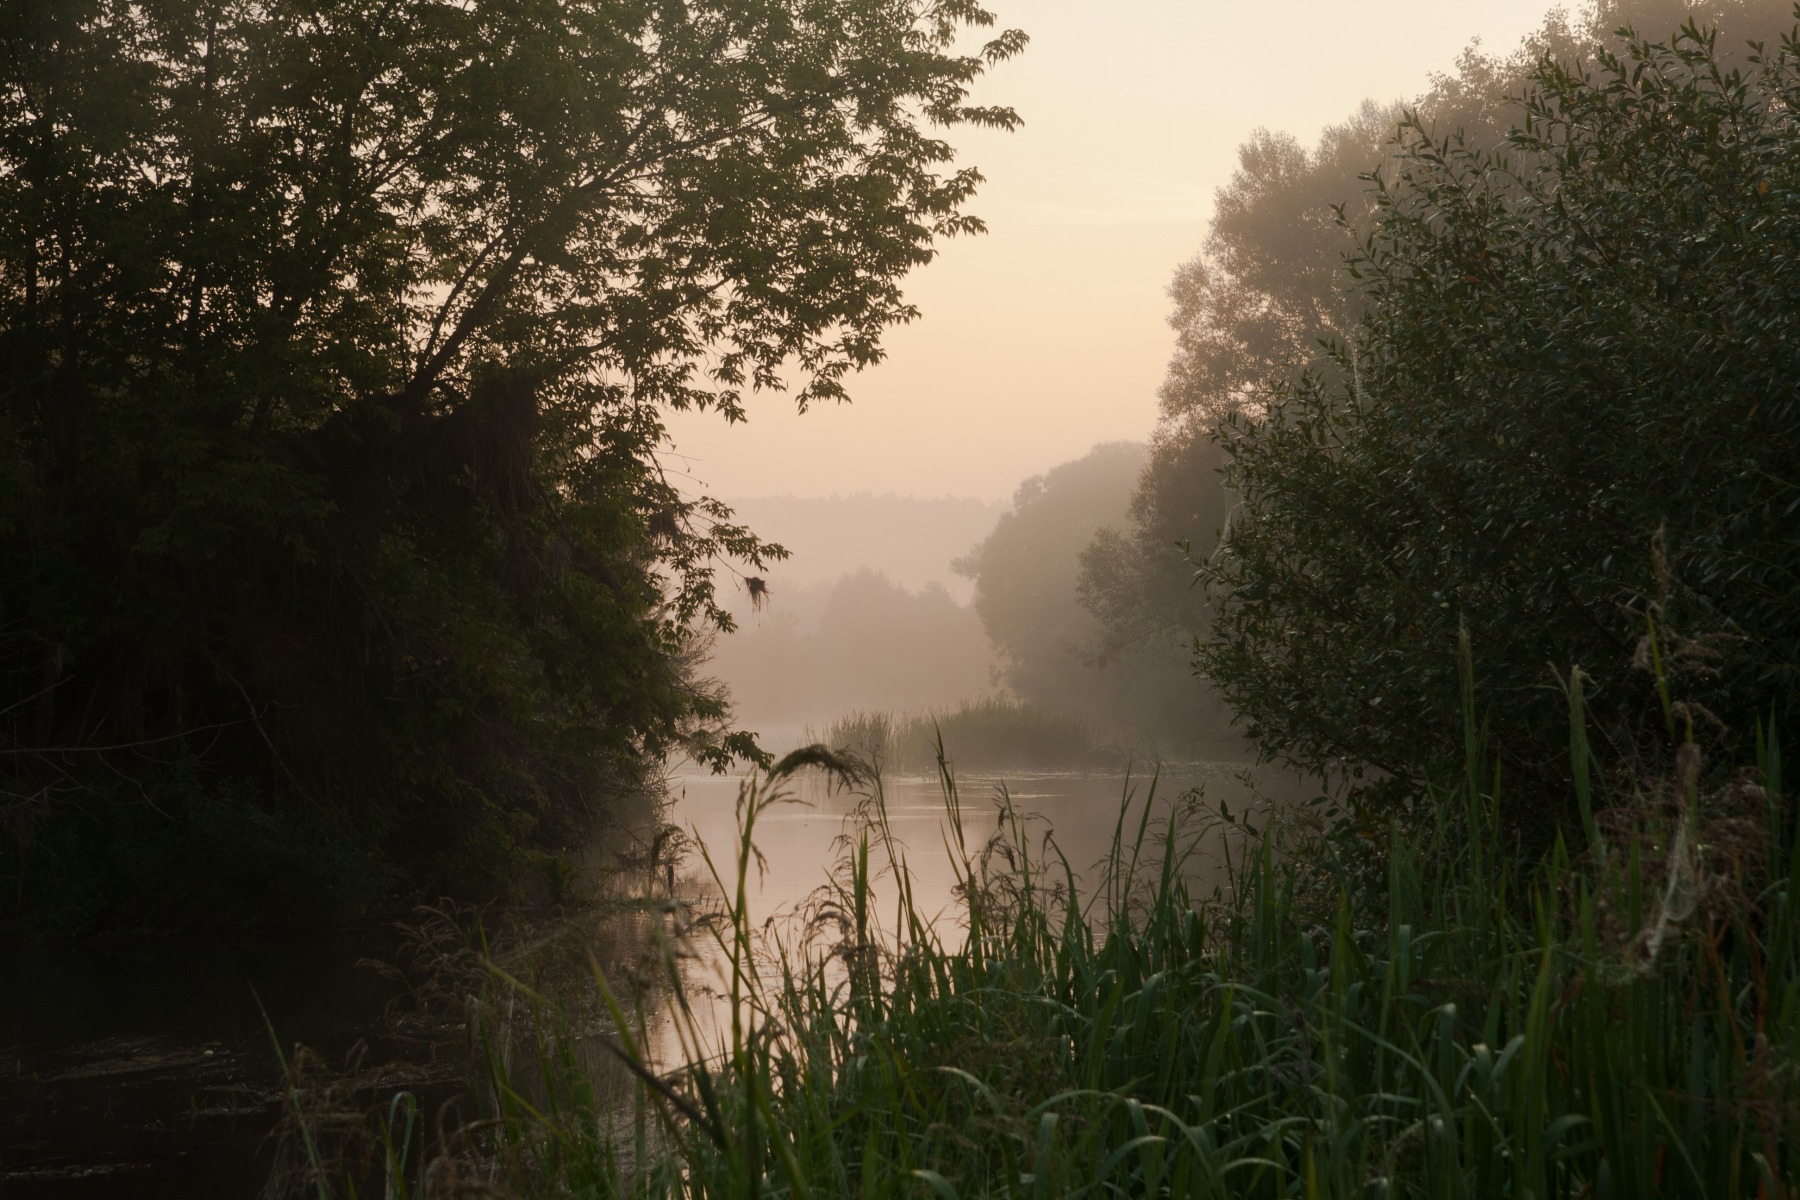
{"points": [[862, 642], [850, 597], [920, 607], [910, 539]]}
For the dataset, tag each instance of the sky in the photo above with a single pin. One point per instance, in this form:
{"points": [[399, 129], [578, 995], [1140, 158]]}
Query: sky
{"points": [[1048, 334]]}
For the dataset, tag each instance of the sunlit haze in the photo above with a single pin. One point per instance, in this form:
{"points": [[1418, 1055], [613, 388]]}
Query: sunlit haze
{"points": [[1047, 334]]}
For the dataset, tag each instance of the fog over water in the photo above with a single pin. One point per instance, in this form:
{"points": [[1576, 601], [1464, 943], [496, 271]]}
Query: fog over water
{"points": [[866, 614], [905, 606]]}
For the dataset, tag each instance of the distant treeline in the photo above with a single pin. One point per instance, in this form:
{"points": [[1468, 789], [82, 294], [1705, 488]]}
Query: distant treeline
{"points": [[803, 653], [862, 642], [1059, 651]]}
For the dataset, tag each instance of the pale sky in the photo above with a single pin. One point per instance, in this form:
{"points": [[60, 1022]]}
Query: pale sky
{"points": [[1048, 334]]}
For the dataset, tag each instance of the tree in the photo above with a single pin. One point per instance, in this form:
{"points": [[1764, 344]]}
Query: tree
{"points": [[334, 339], [1253, 309], [1052, 650], [1566, 425], [1250, 309]]}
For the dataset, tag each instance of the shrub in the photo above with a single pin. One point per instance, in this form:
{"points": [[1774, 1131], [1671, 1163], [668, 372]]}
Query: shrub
{"points": [[1567, 424]]}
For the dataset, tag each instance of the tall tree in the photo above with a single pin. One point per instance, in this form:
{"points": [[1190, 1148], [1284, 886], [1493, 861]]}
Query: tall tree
{"points": [[1255, 308], [334, 342], [1567, 425], [1052, 650], [1249, 310]]}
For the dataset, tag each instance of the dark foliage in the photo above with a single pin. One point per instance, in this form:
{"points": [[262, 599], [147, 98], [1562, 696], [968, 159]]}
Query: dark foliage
{"points": [[1253, 308], [1568, 424], [333, 342]]}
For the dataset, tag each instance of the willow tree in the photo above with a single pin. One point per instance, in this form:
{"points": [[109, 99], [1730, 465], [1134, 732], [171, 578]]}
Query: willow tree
{"points": [[1252, 311], [335, 340], [1566, 428]]}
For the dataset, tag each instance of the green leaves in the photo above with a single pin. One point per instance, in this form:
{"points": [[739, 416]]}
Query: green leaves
{"points": [[1568, 406], [335, 337]]}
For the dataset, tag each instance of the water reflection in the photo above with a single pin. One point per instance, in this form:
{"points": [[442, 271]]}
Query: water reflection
{"points": [[804, 836], [800, 841], [149, 1071]]}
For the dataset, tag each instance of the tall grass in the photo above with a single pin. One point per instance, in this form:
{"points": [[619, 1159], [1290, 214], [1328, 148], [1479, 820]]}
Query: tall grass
{"points": [[988, 734], [1416, 1019]]}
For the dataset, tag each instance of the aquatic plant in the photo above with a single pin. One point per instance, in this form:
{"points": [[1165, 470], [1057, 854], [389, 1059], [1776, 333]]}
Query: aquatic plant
{"points": [[996, 732], [1423, 1018]]}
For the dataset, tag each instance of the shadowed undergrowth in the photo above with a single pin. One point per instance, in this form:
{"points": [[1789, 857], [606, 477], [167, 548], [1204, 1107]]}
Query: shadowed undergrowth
{"points": [[1418, 1020]]}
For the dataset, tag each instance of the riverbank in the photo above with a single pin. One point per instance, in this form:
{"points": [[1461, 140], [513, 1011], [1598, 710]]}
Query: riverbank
{"points": [[177, 852], [148, 1070], [154, 1057], [998, 734], [170, 1068], [1421, 1017], [144, 1067]]}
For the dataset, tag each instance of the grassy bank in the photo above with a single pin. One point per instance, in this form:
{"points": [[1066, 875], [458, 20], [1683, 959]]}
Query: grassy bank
{"points": [[1416, 1019], [986, 735]]}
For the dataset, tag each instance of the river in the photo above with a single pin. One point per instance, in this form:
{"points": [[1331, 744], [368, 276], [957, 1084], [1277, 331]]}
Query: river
{"points": [[150, 1070]]}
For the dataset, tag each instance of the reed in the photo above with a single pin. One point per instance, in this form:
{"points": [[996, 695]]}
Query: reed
{"points": [[990, 734], [1621, 1020]]}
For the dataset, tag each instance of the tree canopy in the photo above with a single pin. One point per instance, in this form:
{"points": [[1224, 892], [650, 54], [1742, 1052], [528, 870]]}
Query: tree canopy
{"points": [[1566, 424], [1053, 651], [334, 339], [1254, 308]]}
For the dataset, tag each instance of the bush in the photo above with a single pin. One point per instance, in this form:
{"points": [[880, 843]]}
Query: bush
{"points": [[184, 850], [1567, 424]]}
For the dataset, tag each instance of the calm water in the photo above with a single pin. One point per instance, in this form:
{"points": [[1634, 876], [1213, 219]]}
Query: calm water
{"points": [[801, 839], [807, 831], [150, 1072]]}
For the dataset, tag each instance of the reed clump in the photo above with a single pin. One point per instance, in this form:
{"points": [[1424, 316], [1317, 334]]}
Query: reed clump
{"points": [[996, 733], [1419, 1017]]}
